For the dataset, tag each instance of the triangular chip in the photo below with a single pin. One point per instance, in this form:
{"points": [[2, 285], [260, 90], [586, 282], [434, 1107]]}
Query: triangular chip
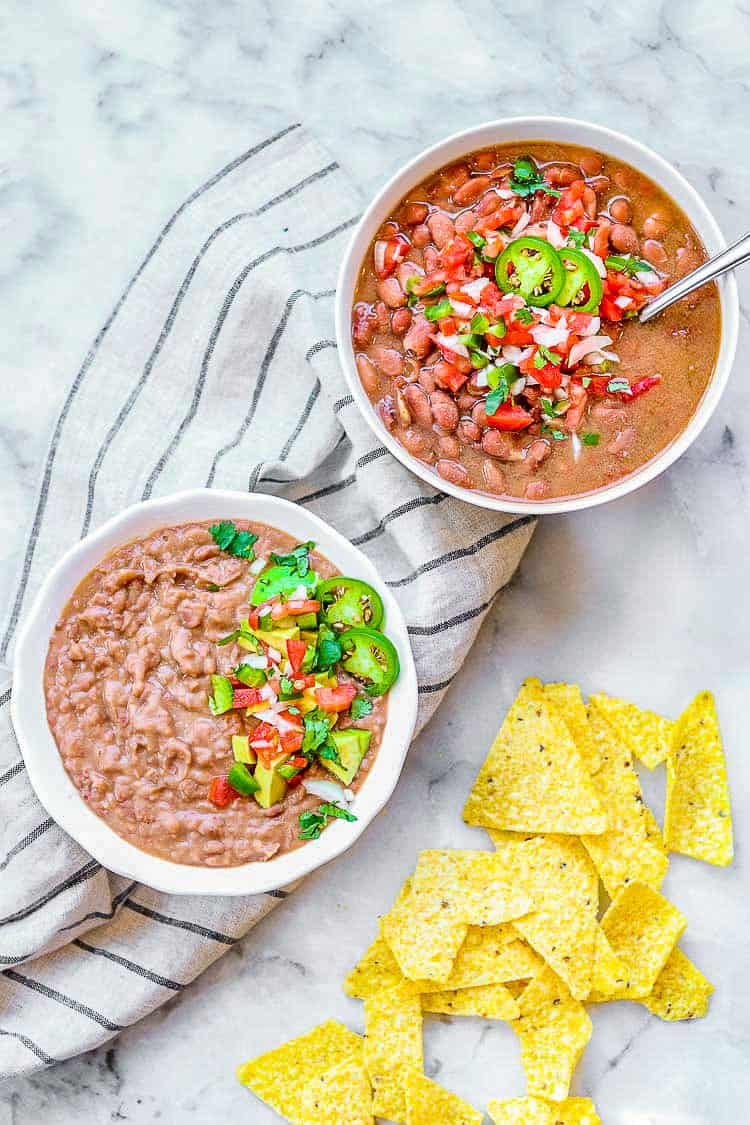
{"points": [[559, 876], [393, 1045], [476, 886], [569, 705], [642, 928], [698, 820], [610, 974], [281, 1076], [647, 735], [553, 1029], [485, 958], [489, 1002], [341, 1094], [535, 1111], [377, 971], [681, 991], [429, 1104], [632, 850], [423, 935], [534, 779]]}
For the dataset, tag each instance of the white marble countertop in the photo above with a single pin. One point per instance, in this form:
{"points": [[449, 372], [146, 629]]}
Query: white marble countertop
{"points": [[111, 114]]}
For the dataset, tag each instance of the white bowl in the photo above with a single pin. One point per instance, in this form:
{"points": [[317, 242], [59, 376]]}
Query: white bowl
{"points": [[44, 764], [570, 131]]}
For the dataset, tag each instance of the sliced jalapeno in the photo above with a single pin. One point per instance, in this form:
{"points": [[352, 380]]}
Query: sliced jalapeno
{"points": [[348, 602], [532, 267], [582, 287], [371, 658], [276, 580]]}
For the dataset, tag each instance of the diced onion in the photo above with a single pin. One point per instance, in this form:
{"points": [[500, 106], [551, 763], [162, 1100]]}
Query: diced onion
{"points": [[550, 336], [517, 387], [379, 255], [257, 566], [255, 660], [576, 446], [513, 354], [349, 794], [474, 288], [599, 357], [462, 308], [591, 329], [264, 611], [326, 790], [554, 235], [505, 193], [451, 344], [274, 655], [600, 266], [521, 225], [583, 347], [623, 302], [480, 378], [299, 595]]}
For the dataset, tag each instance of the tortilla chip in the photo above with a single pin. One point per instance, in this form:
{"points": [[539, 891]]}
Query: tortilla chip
{"points": [[609, 972], [681, 991], [280, 1077], [534, 1111], [534, 779], [632, 850], [521, 1111], [340, 1094], [569, 705], [475, 884], [484, 959], [698, 819], [561, 879], [553, 1029], [377, 971], [392, 1045], [429, 1104], [423, 935], [642, 928], [489, 1002], [647, 735]]}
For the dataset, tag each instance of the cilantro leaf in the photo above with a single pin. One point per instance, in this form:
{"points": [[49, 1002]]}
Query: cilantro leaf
{"points": [[329, 752], [527, 179], [551, 357], [297, 560], [316, 733], [618, 386], [496, 398], [590, 439], [238, 543], [329, 650], [337, 811], [524, 316], [311, 824], [360, 707], [576, 237]]}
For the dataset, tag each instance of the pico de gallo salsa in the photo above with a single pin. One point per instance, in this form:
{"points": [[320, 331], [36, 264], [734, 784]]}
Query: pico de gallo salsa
{"points": [[495, 321]]}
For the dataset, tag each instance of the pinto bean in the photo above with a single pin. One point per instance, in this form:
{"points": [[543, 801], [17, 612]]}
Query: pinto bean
{"points": [[608, 414], [453, 472], [421, 236], [479, 415], [391, 293], [492, 475], [389, 360], [386, 408], [654, 227], [536, 454], [601, 238], [622, 441], [468, 431], [620, 209], [444, 410], [562, 175], [624, 238], [497, 444], [364, 324], [541, 207], [654, 253], [484, 161], [465, 402], [431, 258], [536, 490], [441, 228], [453, 178], [470, 192], [590, 202], [419, 337], [415, 442], [488, 203], [408, 269], [400, 321], [591, 164], [465, 221], [415, 213], [449, 446], [368, 375], [426, 380], [418, 404]]}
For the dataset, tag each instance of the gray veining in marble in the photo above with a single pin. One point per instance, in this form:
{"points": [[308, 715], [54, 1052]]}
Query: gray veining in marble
{"points": [[111, 114]]}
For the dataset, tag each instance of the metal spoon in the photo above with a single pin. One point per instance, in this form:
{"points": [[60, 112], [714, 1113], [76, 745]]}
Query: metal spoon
{"points": [[725, 260]]}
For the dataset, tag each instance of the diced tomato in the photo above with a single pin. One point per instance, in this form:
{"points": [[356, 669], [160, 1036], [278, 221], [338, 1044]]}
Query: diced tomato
{"points": [[421, 286], [642, 385], [295, 607], [293, 781], [264, 740], [549, 376], [335, 699], [609, 310], [220, 792], [578, 397], [570, 207], [234, 681], [598, 385], [448, 376], [246, 697], [447, 326], [388, 253], [291, 741], [299, 762], [504, 217], [509, 417], [296, 651], [454, 257]]}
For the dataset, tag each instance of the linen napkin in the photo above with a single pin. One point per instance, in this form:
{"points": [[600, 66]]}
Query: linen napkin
{"points": [[216, 367]]}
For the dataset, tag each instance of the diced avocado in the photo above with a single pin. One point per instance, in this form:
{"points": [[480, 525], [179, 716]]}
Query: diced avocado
{"points": [[306, 635], [351, 746], [307, 620], [241, 749], [276, 638], [325, 679], [287, 771], [272, 785], [307, 702]]}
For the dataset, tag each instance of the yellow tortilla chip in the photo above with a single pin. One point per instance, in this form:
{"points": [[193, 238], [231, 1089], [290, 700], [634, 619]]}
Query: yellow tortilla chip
{"points": [[534, 778], [553, 1029], [647, 735], [535, 1111], [642, 928], [609, 973], [681, 991], [423, 935], [569, 704], [393, 1045], [486, 959], [698, 819], [377, 971], [561, 879], [489, 1002], [340, 1094], [280, 1077], [429, 1104], [632, 850], [475, 885]]}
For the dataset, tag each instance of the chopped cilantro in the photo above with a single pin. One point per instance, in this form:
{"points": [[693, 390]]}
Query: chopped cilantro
{"points": [[590, 439], [625, 264], [298, 559], [524, 316], [238, 543], [527, 179], [496, 398], [316, 733], [329, 650], [576, 237], [311, 824], [548, 356], [360, 707], [213, 587]]}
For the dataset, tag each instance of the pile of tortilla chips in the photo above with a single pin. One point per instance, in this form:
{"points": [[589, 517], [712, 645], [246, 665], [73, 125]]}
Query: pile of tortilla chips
{"points": [[519, 933]]}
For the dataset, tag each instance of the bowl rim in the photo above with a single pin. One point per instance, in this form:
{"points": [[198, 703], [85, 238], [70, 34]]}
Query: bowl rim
{"points": [[536, 128], [44, 766]]}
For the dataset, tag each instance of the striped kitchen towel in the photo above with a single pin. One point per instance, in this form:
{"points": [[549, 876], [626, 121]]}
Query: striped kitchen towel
{"points": [[217, 366]]}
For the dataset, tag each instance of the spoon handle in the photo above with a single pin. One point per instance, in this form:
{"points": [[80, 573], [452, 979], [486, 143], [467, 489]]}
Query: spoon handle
{"points": [[734, 255]]}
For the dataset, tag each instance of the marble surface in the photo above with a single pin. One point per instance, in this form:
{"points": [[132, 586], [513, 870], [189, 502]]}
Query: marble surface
{"points": [[111, 114]]}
